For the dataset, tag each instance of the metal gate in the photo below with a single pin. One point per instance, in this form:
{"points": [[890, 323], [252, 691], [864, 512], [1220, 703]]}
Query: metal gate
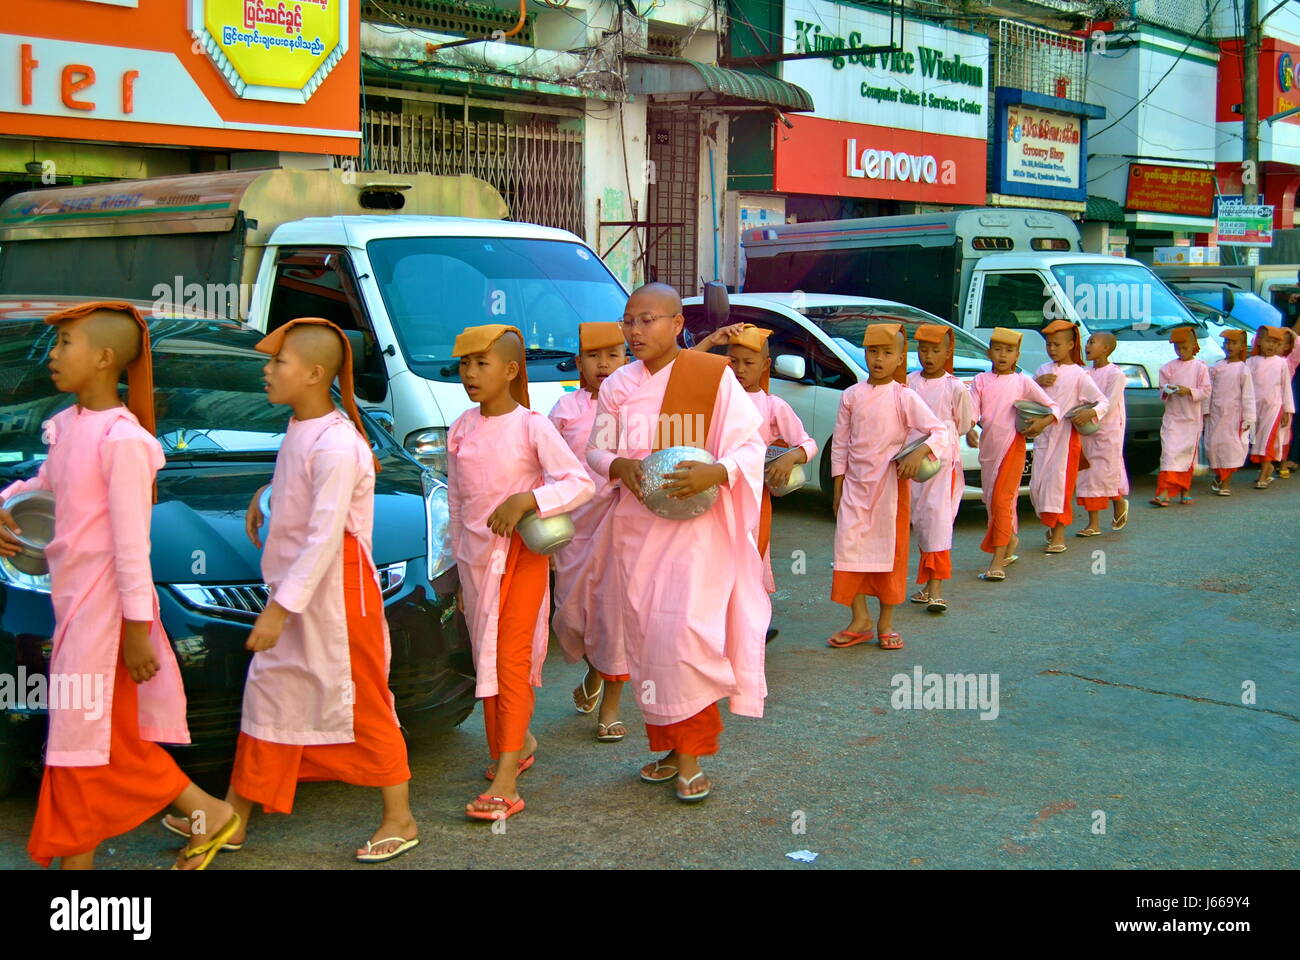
{"points": [[536, 165], [674, 149]]}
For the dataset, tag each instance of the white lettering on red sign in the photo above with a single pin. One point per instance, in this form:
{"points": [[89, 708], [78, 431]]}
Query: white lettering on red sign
{"points": [[889, 165]]}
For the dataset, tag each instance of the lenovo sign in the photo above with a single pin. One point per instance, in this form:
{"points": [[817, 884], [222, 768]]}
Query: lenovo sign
{"points": [[834, 158], [887, 165]]}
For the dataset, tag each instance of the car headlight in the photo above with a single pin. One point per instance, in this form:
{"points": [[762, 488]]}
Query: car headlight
{"points": [[24, 581], [1135, 376], [429, 447], [437, 519]]}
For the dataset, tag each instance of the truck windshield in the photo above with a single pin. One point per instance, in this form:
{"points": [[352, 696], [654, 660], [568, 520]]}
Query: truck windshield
{"points": [[434, 287], [1124, 298]]}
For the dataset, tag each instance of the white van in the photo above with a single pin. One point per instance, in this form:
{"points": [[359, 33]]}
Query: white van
{"points": [[267, 246]]}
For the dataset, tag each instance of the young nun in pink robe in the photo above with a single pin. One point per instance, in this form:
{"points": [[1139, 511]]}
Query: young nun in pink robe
{"points": [[104, 771], [872, 491], [694, 612], [1274, 402], [1002, 445], [583, 602], [1184, 387], [936, 502], [1232, 413], [317, 706], [1104, 482], [1057, 450], [751, 362], [505, 460]]}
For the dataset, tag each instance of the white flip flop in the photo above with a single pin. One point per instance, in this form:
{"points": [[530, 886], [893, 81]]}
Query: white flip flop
{"points": [[692, 797], [594, 697], [369, 857]]}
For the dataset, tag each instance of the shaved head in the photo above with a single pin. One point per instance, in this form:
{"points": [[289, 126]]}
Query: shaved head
{"points": [[656, 298], [509, 347], [113, 330], [316, 344]]}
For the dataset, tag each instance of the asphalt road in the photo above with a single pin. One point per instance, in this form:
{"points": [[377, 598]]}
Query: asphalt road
{"points": [[1121, 666]]}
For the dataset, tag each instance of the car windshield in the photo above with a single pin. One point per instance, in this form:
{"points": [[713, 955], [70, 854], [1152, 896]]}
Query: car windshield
{"points": [[846, 325], [1203, 311], [434, 287], [1251, 310], [208, 394], [1123, 298]]}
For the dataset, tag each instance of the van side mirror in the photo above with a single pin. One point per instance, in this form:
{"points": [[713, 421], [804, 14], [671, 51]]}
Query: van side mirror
{"points": [[384, 419], [717, 305], [789, 367], [1229, 300]]}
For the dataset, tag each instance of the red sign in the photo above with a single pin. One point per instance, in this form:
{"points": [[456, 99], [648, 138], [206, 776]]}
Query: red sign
{"points": [[1279, 79], [1155, 188], [834, 158]]}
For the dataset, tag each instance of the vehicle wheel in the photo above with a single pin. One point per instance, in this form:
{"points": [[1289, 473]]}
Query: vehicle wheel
{"points": [[8, 764]]}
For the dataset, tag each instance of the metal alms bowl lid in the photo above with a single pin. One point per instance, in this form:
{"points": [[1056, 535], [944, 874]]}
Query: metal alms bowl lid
{"points": [[656, 499]]}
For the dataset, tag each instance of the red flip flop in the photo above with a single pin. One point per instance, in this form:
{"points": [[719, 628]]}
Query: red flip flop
{"points": [[891, 641], [854, 639], [510, 808]]}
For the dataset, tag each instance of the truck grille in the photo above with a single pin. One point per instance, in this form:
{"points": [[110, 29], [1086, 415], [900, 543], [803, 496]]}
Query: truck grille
{"points": [[246, 600]]}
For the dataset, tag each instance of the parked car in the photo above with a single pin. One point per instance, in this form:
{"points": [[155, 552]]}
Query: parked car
{"points": [[220, 437], [817, 353], [1249, 308]]}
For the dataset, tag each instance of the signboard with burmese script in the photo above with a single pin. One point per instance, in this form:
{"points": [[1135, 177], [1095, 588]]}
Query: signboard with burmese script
{"points": [[1156, 188]]}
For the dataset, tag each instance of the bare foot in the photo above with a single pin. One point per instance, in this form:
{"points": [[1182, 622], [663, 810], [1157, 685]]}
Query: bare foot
{"points": [[216, 814], [387, 829], [530, 747], [587, 694]]}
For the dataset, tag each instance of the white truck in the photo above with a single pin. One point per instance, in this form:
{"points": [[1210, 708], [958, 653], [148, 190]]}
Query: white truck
{"points": [[986, 268], [401, 262]]}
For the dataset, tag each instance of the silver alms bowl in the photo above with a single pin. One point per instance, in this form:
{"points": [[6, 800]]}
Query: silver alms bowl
{"points": [[545, 536], [653, 470], [1027, 410], [1089, 428], [33, 512], [930, 466], [798, 476]]}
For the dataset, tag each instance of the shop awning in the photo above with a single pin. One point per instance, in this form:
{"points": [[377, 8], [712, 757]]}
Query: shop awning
{"points": [[1104, 209], [708, 84]]}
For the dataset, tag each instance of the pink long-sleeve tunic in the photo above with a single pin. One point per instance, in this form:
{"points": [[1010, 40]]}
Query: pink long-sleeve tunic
{"points": [[1105, 475], [1180, 428], [101, 469], [992, 396], [779, 422], [935, 503], [1073, 386], [1271, 378], [1231, 416]]}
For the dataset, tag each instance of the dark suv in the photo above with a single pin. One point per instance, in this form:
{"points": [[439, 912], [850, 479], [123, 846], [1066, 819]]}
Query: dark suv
{"points": [[220, 437]]}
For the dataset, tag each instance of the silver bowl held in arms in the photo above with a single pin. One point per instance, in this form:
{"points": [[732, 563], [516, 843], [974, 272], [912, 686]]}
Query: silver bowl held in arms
{"points": [[33, 513], [655, 468], [1089, 428], [929, 467], [1027, 410], [545, 536], [798, 476]]}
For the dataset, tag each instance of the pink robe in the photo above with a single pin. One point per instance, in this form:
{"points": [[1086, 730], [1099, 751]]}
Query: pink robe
{"points": [[1180, 428], [1231, 416], [934, 504], [1073, 386], [1271, 378], [1105, 475], [780, 421], [580, 618], [992, 397], [101, 469], [872, 425], [490, 459], [300, 691], [1293, 358], [693, 611]]}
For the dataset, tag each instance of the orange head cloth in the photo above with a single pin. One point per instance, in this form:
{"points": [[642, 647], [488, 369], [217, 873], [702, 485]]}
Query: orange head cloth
{"points": [[887, 334], [937, 333], [1076, 351], [1236, 336], [600, 336], [1185, 335], [480, 340], [1260, 334], [139, 372], [755, 338], [273, 343], [1007, 336]]}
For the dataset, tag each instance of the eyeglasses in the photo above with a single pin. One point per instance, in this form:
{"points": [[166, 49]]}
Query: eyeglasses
{"points": [[643, 320]]}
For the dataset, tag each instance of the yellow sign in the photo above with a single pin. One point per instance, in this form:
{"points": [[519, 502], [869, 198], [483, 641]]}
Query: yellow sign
{"points": [[272, 49]]}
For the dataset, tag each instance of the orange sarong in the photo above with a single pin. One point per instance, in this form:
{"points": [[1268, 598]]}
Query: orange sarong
{"points": [[1224, 473], [523, 587], [1066, 516], [1006, 494], [1174, 482], [1271, 449], [1097, 503], [80, 807], [889, 586], [934, 566], [269, 773], [695, 736]]}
